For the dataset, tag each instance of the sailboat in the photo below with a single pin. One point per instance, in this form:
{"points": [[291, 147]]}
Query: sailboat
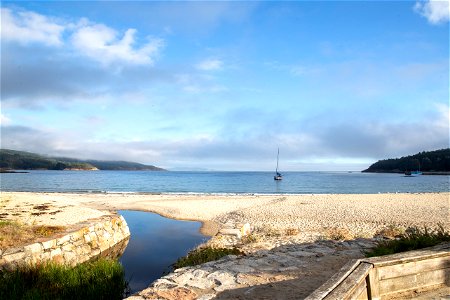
{"points": [[278, 175]]}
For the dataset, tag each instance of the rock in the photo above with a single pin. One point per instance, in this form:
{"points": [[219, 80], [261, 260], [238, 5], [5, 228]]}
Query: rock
{"points": [[231, 231], [169, 294], [201, 283], [207, 297], [302, 253], [242, 269], [291, 268], [222, 278], [245, 230], [163, 284]]}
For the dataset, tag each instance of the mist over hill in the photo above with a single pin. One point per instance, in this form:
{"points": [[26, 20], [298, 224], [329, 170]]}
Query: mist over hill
{"points": [[21, 160]]}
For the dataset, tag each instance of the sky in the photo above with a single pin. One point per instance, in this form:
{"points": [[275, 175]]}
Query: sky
{"points": [[218, 85]]}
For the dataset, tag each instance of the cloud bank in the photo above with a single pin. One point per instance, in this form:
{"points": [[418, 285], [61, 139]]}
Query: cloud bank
{"points": [[435, 11]]}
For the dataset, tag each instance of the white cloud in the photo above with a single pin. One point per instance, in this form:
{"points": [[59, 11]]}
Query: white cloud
{"points": [[4, 120], [436, 11], [29, 27], [210, 65], [103, 44]]}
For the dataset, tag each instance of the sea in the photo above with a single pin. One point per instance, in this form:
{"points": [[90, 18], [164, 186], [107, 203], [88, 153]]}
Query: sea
{"points": [[221, 182]]}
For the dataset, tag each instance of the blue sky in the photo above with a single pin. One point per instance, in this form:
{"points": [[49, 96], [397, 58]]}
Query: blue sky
{"points": [[336, 85]]}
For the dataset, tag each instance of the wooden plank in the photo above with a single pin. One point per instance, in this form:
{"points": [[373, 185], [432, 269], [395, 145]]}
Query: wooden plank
{"points": [[415, 267], [441, 250], [347, 287], [373, 284], [334, 281], [415, 281], [360, 292]]}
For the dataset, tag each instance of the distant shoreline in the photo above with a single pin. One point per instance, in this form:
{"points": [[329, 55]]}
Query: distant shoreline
{"points": [[399, 172]]}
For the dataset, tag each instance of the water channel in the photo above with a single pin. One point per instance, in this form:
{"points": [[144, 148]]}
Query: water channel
{"points": [[155, 244]]}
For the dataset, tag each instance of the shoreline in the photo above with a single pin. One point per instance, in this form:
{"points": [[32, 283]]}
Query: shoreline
{"points": [[307, 212], [292, 251]]}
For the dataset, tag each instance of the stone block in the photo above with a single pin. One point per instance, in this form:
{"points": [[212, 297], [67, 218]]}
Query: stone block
{"points": [[33, 248], [87, 238], [55, 252], [93, 236], [12, 251], [45, 256], [63, 240], [14, 257], [77, 235], [50, 244], [70, 257]]}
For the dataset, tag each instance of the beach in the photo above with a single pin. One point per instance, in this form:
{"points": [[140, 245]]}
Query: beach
{"points": [[298, 241], [362, 214]]}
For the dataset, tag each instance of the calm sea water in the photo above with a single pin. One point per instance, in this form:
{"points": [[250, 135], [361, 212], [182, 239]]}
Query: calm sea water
{"points": [[220, 182], [155, 244]]}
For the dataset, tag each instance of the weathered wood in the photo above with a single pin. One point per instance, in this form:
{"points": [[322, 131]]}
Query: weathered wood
{"points": [[411, 282], [350, 284], [415, 267], [373, 284], [442, 250], [381, 277], [360, 293], [334, 281]]}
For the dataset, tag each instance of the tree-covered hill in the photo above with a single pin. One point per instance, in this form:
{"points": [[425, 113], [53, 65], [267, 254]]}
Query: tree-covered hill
{"points": [[426, 161], [20, 160]]}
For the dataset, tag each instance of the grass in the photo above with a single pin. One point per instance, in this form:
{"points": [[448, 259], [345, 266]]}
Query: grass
{"points": [[101, 279], [203, 255], [412, 239], [14, 234], [337, 234]]}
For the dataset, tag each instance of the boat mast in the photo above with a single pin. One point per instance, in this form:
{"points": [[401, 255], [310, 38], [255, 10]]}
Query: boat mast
{"points": [[278, 154]]}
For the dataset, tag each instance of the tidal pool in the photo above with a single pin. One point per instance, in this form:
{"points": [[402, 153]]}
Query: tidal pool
{"points": [[155, 244]]}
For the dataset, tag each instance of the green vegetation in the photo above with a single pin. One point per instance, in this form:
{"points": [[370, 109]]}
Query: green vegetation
{"points": [[431, 161], [203, 255], [20, 160], [102, 279], [412, 239]]}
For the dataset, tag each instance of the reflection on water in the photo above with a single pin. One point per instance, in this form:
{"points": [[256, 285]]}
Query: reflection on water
{"points": [[156, 243]]}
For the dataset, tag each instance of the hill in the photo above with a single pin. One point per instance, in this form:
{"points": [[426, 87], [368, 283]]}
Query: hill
{"points": [[426, 161], [21, 160]]}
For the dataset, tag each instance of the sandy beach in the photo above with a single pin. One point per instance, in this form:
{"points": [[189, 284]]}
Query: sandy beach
{"points": [[307, 218], [362, 214]]}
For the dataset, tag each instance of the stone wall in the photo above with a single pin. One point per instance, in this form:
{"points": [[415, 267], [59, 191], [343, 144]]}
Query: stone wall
{"points": [[385, 277], [107, 237]]}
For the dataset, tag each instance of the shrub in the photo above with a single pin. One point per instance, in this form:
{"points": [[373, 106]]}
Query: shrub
{"points": [[101, 279], [414, 238], [292, 231], [390, 232], [203, 255], [338, 234], [248, 239], [14, 234]]}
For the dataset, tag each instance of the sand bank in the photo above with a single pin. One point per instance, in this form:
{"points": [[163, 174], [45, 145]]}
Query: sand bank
{"points": [[360, 213]]}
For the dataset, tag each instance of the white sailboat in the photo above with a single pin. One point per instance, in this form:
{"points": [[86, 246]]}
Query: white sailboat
{"points": [[278, 175]]}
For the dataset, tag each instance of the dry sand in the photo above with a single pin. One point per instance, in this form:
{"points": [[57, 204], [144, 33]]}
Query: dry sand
{"points": [[360, 213]]}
